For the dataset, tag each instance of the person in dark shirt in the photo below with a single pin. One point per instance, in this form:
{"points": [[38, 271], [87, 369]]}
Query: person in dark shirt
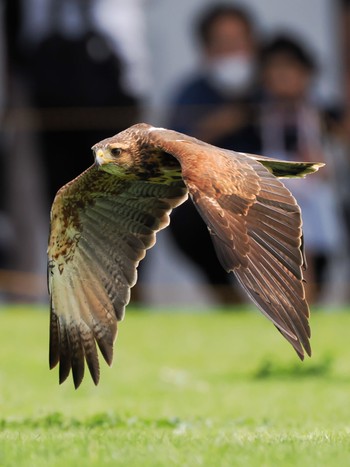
{"points": [[215, 105]]}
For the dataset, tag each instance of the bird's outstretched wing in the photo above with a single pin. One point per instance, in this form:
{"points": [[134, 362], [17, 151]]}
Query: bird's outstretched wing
{"points": [[255, 224], [101, 226]]}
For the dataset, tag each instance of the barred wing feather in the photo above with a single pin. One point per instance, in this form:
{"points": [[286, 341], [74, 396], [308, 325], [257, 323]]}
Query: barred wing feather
{"points": [[101, 227]]}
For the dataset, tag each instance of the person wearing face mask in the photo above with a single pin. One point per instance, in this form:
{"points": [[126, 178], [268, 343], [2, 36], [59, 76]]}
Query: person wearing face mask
{"points": [[216, 105]]}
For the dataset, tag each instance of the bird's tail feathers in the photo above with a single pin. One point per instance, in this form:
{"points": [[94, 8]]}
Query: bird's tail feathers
{"points": [[288, 169]]}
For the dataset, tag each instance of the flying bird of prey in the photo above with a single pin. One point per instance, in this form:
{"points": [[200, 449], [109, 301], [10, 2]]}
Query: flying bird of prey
{"points": [[103, 222]]}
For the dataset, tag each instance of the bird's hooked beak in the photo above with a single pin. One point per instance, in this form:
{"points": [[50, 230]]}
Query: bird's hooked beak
{"points": [[101, 157]]}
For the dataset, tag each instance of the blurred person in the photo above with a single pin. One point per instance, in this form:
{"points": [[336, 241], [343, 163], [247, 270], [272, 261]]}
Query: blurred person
{"points": [[23, 231], [63, 88], [292, 128], [74, 79], [215, 105], [212, 104]]}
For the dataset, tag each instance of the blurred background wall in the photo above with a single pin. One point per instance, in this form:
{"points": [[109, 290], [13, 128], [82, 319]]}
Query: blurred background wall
{"points": [[175, 53], [155, 46]]}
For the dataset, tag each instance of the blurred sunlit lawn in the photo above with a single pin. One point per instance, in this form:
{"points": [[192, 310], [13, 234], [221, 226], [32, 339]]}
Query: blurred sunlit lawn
{"points": [[187, 389]]}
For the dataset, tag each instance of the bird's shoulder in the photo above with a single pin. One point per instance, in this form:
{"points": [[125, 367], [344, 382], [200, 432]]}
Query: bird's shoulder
{"points": [[207, 166]]}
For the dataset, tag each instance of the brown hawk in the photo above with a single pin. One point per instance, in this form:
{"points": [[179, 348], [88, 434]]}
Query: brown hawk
{"points": [[103, 222]]}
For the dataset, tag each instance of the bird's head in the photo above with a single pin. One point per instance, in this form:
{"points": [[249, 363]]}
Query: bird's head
{"points": [[114, 156], [130, 153]]}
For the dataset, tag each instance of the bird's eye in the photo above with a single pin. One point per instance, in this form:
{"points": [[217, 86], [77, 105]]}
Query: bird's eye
{"points": [[116, 152]]}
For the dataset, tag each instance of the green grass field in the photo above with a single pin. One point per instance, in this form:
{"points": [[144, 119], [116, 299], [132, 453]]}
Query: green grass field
{"points": [[186, 389]]}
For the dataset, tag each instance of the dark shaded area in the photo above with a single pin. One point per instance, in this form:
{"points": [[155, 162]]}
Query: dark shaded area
{"points": [[272, 370]]}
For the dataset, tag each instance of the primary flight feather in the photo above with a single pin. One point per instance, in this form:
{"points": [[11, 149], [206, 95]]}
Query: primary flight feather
{"points": [[103, 222]]}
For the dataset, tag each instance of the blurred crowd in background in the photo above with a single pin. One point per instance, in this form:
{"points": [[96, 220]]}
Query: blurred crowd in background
{"points": [[73, 72]]}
